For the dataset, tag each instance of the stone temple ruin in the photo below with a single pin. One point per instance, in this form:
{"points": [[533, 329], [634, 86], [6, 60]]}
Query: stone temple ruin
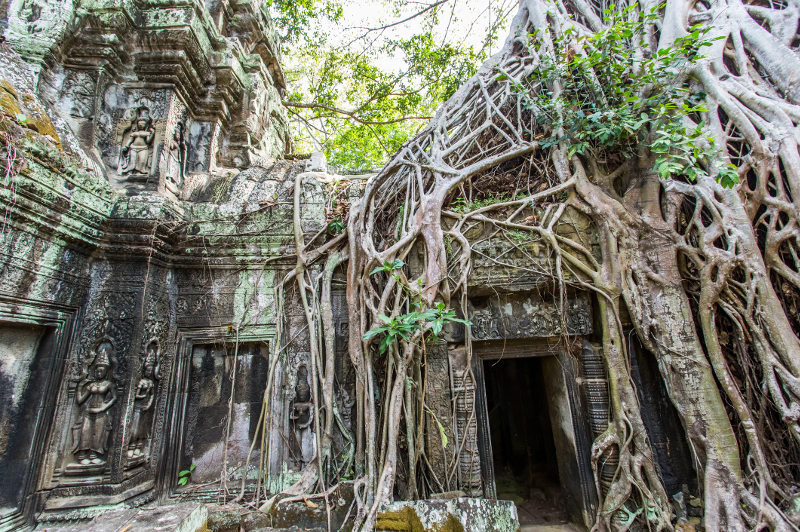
{"points": [[147, 216]]}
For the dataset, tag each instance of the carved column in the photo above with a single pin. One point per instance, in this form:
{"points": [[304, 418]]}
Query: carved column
{"points": [[440, 436], [463, 385]]}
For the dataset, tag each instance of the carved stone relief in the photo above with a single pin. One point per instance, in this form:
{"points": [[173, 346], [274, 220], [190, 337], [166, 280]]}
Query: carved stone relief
{"points": [[93, 399], [203, 137], [147, 417], [143, 406], [510, 316], [176, 162], [290, 427], [136, 153], [301, 416], [440, 437], [148, 139], [462, 384], [131, 132], [95, 394]]}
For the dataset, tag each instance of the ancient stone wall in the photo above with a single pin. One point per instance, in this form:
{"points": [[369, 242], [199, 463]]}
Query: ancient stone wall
{"points": [[156, 317], [123, 307]]}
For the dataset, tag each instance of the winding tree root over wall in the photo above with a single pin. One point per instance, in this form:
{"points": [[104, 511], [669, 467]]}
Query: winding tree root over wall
{"points": [[708, 276]]}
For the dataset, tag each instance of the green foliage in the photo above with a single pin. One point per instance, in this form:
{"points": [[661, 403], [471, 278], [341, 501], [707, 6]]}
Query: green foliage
{"points": [[294, 18], [521, 237], [406, 325], [336, 226], [616, 98], [186, 475], [442, 431], [382, 108], [388, 267], [360, 101]]}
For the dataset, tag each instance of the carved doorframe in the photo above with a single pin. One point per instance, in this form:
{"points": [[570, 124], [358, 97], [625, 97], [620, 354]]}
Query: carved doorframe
{"points": [[585, 492], [174, 437], [58, 322]]}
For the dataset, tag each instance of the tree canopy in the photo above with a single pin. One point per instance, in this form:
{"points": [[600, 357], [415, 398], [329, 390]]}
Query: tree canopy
{"points": [[364, 77]]}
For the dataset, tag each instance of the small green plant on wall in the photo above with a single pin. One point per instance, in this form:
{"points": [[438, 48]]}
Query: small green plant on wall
{"points": [[185, 476]]}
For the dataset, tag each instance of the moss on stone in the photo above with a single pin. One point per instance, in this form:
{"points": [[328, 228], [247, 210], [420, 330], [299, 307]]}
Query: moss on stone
{"points": [[405, 519], [408, 520], [25, 112]]}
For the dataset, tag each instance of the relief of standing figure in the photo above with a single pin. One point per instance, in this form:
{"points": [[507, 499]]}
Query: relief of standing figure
{"points": [[301, 415], [143, 402], [137, 144], [95, 395], [177, 153]]}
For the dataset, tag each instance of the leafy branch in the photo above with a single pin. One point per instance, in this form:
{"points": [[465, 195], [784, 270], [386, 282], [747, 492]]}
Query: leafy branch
{"points": [[406, 326], [612, 102]]}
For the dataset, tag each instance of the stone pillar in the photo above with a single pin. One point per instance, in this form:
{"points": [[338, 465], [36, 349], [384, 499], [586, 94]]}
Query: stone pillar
{"points": [[463, 385], [440, 436]]}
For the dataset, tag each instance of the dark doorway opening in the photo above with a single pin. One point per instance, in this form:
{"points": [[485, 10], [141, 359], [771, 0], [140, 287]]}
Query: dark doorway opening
{"points": [[523, 448]]}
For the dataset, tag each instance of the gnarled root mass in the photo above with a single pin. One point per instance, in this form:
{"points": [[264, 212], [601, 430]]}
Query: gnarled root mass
{"points": [[708, 276]]}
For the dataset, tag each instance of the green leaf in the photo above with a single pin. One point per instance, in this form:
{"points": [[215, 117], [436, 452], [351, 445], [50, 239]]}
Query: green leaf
{"points": [[385, 343], [571, 151], [396, 264], [372, 333]]}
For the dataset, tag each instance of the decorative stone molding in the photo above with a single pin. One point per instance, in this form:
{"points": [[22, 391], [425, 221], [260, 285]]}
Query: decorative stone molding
{"points": [[155, 91]]}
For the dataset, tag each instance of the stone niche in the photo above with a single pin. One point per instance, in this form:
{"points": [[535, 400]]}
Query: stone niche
{"points": [[225, 392], [23, 375], [142, 138]]}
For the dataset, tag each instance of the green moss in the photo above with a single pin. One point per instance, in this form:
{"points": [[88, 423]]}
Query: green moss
{"points": [[405, 519], [26, 113], [408, 520]]}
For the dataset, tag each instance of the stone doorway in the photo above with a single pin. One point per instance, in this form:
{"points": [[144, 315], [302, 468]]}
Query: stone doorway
{"points": [[523, 448], [533, 439]]}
